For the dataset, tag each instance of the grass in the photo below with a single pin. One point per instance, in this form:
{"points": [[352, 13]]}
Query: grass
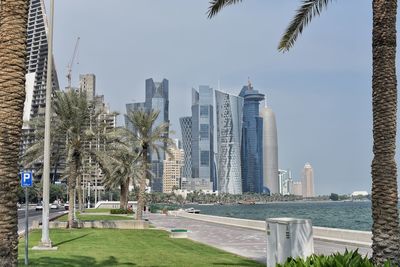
{"points": [[84, 217], [113, 247]]}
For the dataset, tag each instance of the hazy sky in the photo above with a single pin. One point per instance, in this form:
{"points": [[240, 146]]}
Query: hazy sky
{"points": [[320, 91]]}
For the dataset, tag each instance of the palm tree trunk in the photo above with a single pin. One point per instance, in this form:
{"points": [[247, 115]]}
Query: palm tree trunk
{"points": [[124, 195], [72, 185], [142, 185], [13, 20], [385, 228]]}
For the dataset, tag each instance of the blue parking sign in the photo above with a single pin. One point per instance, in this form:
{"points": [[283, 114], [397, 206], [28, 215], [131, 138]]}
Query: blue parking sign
{"points": [[26, 179]]}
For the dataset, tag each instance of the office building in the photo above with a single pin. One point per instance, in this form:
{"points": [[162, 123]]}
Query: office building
{"points": [[229, 112], [186, 129], [252, 141], [308, 181], [270, 151], [157, 99], [172, 170], [203, 134]]}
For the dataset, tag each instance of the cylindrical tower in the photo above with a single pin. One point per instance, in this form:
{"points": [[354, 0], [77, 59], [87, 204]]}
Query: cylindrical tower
{"points": [[270, 150]]}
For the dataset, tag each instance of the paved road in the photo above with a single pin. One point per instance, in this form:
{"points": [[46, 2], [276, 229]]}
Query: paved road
{"points": [[34, 216], [245, 242]]}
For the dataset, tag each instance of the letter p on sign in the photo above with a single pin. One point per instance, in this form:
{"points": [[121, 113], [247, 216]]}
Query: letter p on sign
{"points": [[26, 179]]}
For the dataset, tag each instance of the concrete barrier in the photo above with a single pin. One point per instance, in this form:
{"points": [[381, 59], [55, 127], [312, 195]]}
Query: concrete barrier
{"points": [[343, 236], [113, 204]]}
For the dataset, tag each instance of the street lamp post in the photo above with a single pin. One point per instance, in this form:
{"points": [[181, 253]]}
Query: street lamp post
{"points": [[45, 242]]}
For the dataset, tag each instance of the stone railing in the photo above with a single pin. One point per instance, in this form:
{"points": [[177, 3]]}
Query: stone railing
{"points": [[343, 236]]}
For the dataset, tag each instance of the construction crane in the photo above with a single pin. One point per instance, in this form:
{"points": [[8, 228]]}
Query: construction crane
{"points": [[71, 62]]}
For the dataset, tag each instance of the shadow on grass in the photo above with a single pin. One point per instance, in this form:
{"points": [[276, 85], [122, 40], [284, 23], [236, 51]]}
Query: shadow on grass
{"points": [[78, 261], [70, 240]]}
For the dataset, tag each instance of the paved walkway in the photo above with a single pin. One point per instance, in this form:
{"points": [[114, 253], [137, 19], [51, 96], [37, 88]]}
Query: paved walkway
{"points": [[244, 242]]}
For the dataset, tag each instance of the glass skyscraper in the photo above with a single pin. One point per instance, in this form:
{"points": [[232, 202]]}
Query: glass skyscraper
{"points": [[157, 99], [229, 110], [186, 128], [203, 134], [252, 141]]}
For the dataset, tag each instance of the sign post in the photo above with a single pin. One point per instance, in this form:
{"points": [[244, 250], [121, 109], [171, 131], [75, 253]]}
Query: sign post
{"points": [[26, 181]]}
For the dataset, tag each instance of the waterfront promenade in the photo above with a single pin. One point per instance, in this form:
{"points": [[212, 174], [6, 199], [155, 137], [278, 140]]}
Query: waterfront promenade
{"points": [[245, 242]]}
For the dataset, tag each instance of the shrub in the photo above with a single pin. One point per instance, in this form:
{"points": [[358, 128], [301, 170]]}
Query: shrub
{"points": [[121, 211], [348, 259]]}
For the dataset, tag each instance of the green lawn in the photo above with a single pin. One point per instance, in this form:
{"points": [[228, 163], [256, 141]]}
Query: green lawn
{"points": [[113, 247], [84, 217]]}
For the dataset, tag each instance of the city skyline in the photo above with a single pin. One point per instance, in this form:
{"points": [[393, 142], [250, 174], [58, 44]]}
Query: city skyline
{"points": [[304, 92]]}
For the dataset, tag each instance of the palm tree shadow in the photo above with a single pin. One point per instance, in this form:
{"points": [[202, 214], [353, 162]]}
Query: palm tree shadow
{"points": [[70, 240], [112, 261]]}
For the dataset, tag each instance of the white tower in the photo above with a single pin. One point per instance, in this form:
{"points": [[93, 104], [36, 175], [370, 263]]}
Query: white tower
{"points": [[270, 150]]}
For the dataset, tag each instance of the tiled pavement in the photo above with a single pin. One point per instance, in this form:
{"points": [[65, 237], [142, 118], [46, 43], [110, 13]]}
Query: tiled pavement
{"points": [[244, 242]]}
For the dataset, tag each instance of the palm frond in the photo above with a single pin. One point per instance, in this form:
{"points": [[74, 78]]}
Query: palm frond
{"points": [[217, 5], [307, 11]]}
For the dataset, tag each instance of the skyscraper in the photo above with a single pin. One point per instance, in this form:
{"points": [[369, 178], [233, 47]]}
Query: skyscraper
{"points": [[252, 140], [229, 110], [203, 133], [157, 99], [36, 62], [186, 128], [308, 181], [36, 67], [270, 151]]}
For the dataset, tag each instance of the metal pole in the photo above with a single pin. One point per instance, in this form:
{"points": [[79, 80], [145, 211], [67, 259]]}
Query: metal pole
{"points": [[74, 213], [88, 204], [26, 226], [45, 241]]}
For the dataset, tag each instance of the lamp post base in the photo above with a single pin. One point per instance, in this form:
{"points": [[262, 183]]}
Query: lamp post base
{"points": [[44, 246]]}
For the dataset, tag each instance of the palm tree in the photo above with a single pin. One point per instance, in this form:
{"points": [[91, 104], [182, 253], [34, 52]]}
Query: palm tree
{"points": [[120, 167], [72, 115], [385, 214], [13, 25], [149, 137]]}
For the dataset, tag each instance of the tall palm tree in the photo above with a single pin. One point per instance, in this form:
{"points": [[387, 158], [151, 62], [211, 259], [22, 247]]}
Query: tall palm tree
{"points": [[119, 165], [13, 25], [72, 115], [385, 214], [149, 137]]}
